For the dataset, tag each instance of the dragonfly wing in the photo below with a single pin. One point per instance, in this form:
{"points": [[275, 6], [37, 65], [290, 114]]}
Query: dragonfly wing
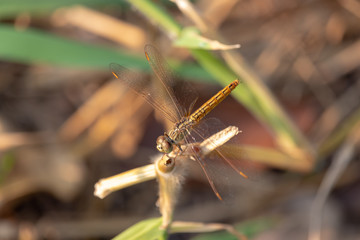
{"points": [[144, 87], [218, 175], [204, 129], [220, 169], [180, 93]]}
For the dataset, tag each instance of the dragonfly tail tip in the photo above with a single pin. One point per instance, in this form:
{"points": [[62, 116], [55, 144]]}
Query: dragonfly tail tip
{"points": [[242, 174]]}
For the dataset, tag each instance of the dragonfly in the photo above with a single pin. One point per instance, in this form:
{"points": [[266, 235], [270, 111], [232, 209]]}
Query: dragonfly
{"points": [[175, 99]]}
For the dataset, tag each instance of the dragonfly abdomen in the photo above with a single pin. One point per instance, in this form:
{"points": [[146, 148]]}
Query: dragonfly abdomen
{"points": [[213, 102]]}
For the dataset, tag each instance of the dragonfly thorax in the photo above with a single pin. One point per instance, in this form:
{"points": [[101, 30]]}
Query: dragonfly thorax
{"points": [[166, 142]]}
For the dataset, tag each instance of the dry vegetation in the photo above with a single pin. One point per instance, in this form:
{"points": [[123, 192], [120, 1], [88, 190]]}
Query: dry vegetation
{"points": [[64, 123]]}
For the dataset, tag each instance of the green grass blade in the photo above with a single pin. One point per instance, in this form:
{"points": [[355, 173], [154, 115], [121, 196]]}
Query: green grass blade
{"points": [[158, 15], [11, 8], [248, 228], [145, 230], [34, 46], [7, 162]]}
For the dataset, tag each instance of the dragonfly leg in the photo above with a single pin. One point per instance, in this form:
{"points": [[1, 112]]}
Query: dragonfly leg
{"points": [[179, 146]]}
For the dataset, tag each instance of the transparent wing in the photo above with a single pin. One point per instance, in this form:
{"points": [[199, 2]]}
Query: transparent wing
{"points": [[174, 98], [225, 180], [181, 95], [144, 87], [220, 169]]}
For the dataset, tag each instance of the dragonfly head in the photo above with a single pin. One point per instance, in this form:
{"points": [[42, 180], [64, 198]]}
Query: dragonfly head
{"points": [[163, 144]]}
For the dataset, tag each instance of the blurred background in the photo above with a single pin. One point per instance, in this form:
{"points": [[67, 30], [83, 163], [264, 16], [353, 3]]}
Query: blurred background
{"points": [[65, 122]]}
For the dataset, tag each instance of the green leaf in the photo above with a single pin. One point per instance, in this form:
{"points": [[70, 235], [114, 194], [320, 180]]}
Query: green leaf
{"points": [[190, 37], [145, 230], [249, 228], [11, 8], [36, 47], [7, 162]]}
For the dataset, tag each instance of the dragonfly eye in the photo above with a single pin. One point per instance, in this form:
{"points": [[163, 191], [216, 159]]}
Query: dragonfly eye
{"points": [[163, 145], [166, 164]]}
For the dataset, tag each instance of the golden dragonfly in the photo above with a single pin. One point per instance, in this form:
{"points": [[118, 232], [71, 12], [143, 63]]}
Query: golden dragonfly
{"points": [[175, 100]]}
